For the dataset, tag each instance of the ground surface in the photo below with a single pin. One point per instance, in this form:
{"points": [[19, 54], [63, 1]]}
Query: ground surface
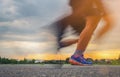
{"points": [[56, 71]]}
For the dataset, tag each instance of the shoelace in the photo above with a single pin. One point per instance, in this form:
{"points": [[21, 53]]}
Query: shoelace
{"points": [[82, 57]]}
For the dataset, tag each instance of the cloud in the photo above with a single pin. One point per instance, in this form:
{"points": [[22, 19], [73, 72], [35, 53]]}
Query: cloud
{"points": [[23, 48], [8, 10], [39, 37], [26, 18], [15, 9], [25, 30], [20, 20]]}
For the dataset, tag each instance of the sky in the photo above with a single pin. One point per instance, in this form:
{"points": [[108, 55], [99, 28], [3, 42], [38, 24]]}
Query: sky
{"points": [[24, 32]]}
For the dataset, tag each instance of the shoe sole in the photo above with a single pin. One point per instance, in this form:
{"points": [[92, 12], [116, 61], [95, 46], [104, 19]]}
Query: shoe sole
{"points": [[74, 62]]}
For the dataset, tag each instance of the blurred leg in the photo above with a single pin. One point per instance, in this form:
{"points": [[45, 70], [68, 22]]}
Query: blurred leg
{"points": [[59, 31], [78, 58], [68, 42]]}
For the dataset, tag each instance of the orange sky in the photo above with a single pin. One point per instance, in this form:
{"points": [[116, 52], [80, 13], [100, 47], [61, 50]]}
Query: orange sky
{"points": [[110, 54]]}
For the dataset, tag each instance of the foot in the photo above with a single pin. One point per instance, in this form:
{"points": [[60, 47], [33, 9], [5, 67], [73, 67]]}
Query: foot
{"points": [[79, 60]]}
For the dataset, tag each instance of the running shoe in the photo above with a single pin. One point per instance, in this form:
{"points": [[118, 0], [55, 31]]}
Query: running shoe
{"points": [[79, 60]]}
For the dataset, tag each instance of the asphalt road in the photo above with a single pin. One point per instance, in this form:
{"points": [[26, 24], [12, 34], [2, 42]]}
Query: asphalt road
{"points": [[56, 71]]}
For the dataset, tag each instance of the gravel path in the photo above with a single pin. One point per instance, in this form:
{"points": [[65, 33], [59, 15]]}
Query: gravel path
{"points": [[53, 71]]}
